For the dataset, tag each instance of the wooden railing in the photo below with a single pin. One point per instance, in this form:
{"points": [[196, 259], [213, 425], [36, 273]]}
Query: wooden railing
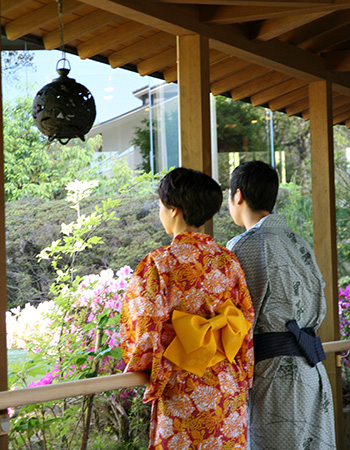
{"points": [[56, 391], [41, 394], [335, 346]]}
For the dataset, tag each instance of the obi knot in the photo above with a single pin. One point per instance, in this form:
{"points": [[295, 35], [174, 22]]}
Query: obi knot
{"points": [[200, 343], [310, 345]]}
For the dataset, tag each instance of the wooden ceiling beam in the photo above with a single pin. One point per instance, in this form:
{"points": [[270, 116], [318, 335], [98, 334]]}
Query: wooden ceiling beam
{"points": [[270, 29], [141, 49], [338, 60], [177, 20], [232, 40], [327, 40], [170, 75], [274, 54], [316, 29], [237, 14], [217, 71], [225, 68], [114, 37], [297, 107], [303, 105], [37, 19], [288, 99], [338, 101], [248, 89], [276, 91], [9, 5], [286, 3], [341, 109], [157, 63], [347, 123], [342, 117], [227, 84], [215, 57], [78, 28]]}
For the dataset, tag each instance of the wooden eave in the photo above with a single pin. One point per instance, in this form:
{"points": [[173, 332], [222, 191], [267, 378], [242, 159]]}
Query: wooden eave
{"points": [[265, 52]]}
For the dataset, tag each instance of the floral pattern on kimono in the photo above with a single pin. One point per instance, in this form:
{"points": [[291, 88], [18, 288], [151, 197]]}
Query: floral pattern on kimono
{"points": [[195, 275]]}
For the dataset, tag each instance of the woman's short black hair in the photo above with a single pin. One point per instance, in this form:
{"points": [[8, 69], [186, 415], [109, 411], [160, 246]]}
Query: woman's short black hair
{"points": [[197, 195], [258, 183]]}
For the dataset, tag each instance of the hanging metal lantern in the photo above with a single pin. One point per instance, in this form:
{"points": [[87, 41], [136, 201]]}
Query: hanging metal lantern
{"points": [[64, 109]]}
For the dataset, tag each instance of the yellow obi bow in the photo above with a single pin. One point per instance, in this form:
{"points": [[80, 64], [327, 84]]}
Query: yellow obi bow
{"points": [[200, 343]]}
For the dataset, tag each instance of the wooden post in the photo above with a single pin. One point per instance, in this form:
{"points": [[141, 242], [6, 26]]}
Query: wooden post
{"points": [[324, 226], [3, 290], [194, 104]]}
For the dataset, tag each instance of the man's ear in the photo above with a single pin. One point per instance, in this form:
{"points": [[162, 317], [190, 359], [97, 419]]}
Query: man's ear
{"points": [[239, 197]]}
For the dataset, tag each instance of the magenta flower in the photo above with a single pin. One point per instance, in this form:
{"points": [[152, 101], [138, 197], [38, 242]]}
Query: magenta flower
{"points": [[47, 379]]}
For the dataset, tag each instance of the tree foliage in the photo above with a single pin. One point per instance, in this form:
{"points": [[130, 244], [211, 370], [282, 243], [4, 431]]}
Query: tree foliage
{"points": [[32, 224], [33, 167], [12, 61], [239, 126], [76, 337], [142, 140]]}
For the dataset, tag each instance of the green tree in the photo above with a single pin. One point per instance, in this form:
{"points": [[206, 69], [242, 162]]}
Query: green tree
{"points": [[292, 136], [33, 167], [240, 127], [240, 130], [81, 340], [32, 224], [12, 61], [142, 140]]}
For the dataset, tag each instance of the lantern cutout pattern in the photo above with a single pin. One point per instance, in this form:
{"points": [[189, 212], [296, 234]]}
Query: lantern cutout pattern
{"points": [[64, 109]]}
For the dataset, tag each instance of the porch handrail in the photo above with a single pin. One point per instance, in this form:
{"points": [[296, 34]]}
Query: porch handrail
{"points": [[56, 391], [336, 346]]}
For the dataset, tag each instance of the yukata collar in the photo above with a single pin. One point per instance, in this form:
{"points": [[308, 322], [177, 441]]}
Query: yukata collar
{"points": [[260, 223], [191, 236]]}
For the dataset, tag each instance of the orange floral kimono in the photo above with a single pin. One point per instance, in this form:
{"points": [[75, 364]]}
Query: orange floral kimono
{"points": [[197, 276]]}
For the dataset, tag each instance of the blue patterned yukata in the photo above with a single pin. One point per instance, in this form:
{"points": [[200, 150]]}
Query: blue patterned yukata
{"points": [[290, 404]]}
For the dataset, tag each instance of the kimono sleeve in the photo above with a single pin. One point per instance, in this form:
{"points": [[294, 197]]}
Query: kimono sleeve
{"points": [[245, 357], [142, 318]]}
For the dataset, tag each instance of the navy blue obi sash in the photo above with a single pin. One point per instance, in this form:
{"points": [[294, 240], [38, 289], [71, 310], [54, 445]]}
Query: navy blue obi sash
{"points": [[295, 342]]}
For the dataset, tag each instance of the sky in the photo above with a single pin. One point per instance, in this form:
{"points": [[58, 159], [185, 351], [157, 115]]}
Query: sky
{"points": [[112, 89]]}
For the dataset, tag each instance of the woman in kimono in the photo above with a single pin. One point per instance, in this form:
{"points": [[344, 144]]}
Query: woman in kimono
{"points": [[290, 404], [186, 319]]}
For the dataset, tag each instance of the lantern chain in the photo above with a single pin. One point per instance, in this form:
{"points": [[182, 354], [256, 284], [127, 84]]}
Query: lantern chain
{"points": [[61, 29]]}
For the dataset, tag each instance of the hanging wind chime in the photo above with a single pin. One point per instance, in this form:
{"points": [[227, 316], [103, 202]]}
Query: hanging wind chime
{"points": [[63, 109]]}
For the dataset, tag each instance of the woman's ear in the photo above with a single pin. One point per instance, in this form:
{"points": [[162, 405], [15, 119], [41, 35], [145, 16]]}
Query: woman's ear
{"points": [[175, 211]]}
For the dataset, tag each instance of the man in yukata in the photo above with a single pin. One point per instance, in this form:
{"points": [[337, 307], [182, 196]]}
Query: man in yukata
{"points": [[290, 404], [187, 319]]}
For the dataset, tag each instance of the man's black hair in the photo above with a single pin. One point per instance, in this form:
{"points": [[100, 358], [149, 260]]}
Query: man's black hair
{"points": [[197, 195], [258, 183]]}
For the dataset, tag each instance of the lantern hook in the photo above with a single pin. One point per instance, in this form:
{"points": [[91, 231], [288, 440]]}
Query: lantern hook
{"points": [[64, 59]]}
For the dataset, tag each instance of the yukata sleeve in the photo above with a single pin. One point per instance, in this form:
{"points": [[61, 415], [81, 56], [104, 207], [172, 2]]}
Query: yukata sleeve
{"points": [[245, 357], [142, 326]]}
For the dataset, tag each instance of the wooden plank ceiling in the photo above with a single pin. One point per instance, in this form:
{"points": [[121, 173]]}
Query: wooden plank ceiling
{"points": [[265, 52]]}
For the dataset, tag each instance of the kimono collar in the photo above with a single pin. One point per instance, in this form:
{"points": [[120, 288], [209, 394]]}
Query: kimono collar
{"points": [[191, 237]]}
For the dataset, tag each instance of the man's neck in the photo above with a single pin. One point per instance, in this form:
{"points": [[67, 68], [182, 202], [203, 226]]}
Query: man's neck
{"points": [[253, 217]]}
